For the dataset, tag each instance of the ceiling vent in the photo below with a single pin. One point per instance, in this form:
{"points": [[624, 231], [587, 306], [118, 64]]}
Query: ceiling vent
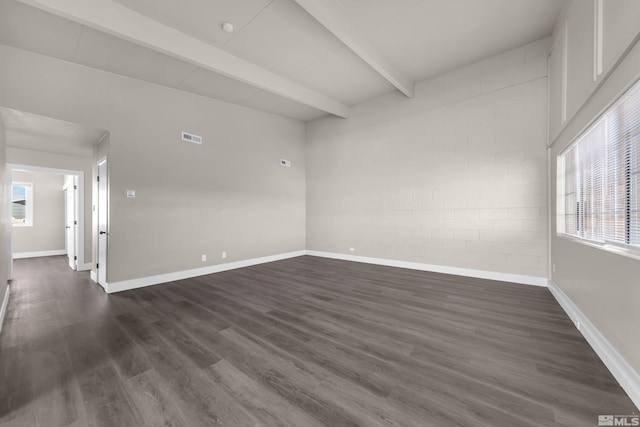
{"points": [[189, 137]]}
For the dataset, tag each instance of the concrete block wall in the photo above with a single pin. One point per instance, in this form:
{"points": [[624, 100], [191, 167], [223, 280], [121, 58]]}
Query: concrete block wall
{"points": [[455, 176]]}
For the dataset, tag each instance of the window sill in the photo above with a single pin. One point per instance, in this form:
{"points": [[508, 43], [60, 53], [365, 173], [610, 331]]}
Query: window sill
{"points": [[624, 251]]}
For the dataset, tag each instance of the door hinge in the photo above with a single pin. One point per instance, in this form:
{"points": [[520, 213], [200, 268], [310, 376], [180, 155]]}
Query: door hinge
{"points": [[98, 179], [75, 222], [97, 265], [75, 187], [75, 258]]}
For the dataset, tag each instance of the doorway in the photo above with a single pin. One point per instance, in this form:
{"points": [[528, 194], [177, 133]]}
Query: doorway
{"points": [[73, 208]]}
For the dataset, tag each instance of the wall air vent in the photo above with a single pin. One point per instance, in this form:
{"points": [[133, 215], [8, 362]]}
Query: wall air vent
{"points": [[189, 137]]}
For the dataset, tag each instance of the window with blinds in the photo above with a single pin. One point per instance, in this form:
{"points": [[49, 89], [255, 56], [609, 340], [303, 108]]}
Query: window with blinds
{"points": [[599, 178]]}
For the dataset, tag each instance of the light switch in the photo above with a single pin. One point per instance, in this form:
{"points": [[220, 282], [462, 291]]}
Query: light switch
{"points": [[131, 194]]}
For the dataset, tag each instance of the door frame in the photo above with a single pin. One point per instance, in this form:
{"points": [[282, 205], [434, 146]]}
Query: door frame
{"points": [[103, 270], [80, 264], [73, 186]]}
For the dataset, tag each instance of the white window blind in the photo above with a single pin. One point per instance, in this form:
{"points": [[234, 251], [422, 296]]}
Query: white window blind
{"points": [[599, 177]]}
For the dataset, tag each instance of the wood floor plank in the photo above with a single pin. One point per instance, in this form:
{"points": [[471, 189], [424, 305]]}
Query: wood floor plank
{"points": [[271, 357], [15, 376], [156, 401], [271, 408], [27, 419], [356, 368], [210, 404], [105, 399], [190, 348], [299, 342], [58, 400]]}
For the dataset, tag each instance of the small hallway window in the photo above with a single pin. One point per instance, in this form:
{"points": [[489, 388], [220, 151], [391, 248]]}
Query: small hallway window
{"points": [[22, 204]]}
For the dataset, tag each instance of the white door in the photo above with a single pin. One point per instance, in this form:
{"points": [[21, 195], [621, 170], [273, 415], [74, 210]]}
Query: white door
{"points": [[71, 224], [102, 222]]}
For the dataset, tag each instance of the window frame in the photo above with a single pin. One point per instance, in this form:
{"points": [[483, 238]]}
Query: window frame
{"points": [[626, 248], [28, 203]]}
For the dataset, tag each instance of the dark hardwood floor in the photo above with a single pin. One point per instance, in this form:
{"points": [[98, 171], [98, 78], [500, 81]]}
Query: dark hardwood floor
{"points": [[301, 342]]}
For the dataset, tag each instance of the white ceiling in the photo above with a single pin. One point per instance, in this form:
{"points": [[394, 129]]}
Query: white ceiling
{"points": [[34, 132], [426, 38], [279, 39]]}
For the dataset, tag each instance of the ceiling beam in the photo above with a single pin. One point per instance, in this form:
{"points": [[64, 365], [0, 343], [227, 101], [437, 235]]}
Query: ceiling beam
{"points": [[335, 19], [120, 21]]}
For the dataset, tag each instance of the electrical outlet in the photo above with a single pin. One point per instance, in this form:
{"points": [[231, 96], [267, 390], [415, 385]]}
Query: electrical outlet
{"points": [[224, 254], [352, 249], [204, 258]]}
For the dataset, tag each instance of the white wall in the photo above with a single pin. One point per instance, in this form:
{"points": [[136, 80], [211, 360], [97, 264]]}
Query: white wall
{"points": [[229, 194], [605, 286], [47, 232], [454, 177]]}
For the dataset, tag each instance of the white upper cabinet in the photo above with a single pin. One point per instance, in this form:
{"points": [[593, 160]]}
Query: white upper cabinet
{"points": [[621, 22], [580, 55], [589, 39], [555, 86]]}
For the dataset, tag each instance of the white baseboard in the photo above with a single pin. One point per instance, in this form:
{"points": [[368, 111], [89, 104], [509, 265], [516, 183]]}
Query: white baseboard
{"points": [[467, 272], [94, 276], [5, 303], [126, 285], [84, 267], [19, 255], [628, 378]]}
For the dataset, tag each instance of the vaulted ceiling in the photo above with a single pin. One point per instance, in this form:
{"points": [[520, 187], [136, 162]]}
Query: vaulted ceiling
{"points": [[298, 58]]}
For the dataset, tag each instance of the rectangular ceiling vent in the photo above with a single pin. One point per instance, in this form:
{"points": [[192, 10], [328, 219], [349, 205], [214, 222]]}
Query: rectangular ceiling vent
{"points": [[189, 137]]}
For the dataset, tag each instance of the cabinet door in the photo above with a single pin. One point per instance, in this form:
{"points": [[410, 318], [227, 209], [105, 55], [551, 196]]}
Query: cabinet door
{"points": [[555, 87], [621, 24], [580, 54]]}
